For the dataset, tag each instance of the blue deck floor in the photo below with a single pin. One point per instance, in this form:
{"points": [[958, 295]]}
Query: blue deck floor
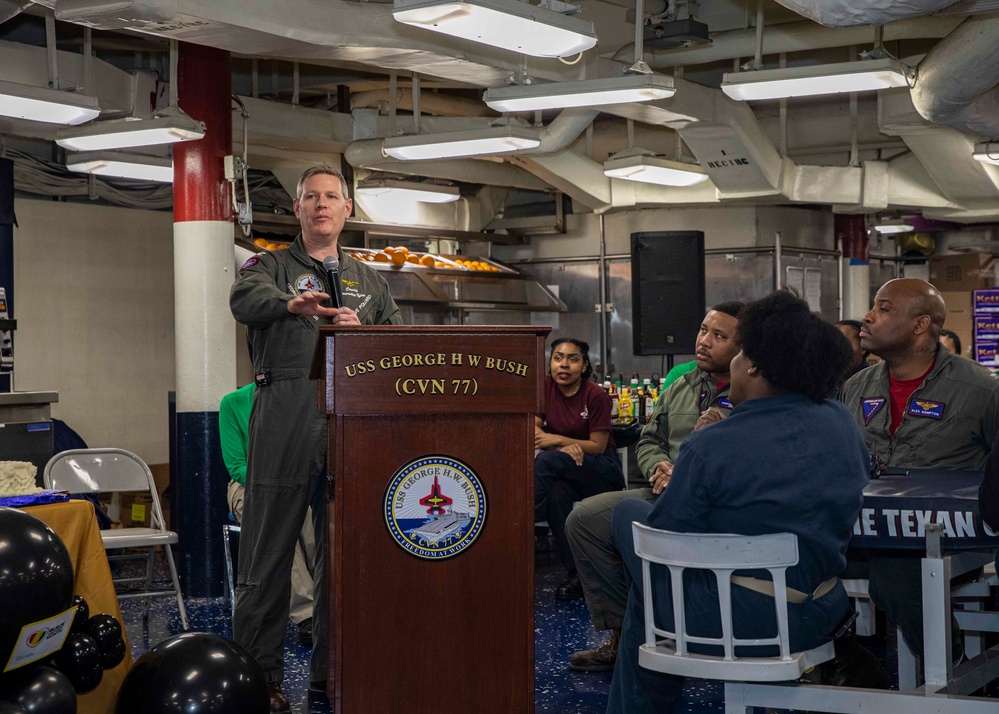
{"points": [[560, 629]]}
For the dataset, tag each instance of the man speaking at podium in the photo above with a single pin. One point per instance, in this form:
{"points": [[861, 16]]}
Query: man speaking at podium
{"points": [[283, 298]]}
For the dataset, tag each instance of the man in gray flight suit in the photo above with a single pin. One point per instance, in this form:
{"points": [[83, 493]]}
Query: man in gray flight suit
{"points": [[281, 297], [922, 407]]}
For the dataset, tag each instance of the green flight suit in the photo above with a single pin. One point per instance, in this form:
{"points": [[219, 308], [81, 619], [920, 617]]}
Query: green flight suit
{"points": [[287, 451], [949, 422]]}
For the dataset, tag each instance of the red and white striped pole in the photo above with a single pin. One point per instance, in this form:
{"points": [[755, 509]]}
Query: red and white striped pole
{"points": [[205, 346]]}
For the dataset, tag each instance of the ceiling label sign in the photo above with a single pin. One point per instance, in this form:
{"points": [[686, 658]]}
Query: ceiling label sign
{"points": [[726, 162], [435, 507]]}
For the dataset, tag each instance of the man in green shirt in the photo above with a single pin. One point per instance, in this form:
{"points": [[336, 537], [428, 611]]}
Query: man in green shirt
{"points": [[234, 432], [695, 400]]}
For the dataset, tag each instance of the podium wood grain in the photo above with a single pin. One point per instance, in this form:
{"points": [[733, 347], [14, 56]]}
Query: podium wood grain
{"points": [[411, 634]]}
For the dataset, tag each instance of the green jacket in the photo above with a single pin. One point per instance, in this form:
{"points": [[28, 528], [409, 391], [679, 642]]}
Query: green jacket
{"points": [[234, 430], [281, 342], [674, 418], [949, 422]]}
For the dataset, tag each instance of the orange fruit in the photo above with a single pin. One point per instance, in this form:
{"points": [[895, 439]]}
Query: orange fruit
{"points": [[441, 264], [428, 260], [389, 250], [272, 246], [262, 242], [412, 259], [381, 258], [398, 258]]}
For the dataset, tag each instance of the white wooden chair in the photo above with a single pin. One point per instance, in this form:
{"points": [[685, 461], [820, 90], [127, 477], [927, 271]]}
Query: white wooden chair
{"points": [[768, 682], [111, 471]]}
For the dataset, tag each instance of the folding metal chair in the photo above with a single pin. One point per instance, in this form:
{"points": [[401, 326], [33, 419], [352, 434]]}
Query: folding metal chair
{"points": [[111, 471]]}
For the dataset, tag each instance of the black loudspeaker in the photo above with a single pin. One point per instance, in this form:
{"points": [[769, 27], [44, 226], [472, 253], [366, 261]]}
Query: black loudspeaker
{"points": [[667, 291]]}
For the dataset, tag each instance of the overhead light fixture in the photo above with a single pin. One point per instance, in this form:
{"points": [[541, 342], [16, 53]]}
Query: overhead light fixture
{"points": [[894, 226], [580, 93], [508, 24], [167, 127], [987, 152], [475, 142], [122, 165], [52, 106], [411, 190], [860, 76], [647, 168]]}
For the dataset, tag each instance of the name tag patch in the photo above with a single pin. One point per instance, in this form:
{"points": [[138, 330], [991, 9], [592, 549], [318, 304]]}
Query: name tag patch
{"points": [[871, 406], [924, 408], [724, 403]]}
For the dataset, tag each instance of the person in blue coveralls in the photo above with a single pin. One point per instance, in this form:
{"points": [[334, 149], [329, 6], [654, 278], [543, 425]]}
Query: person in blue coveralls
{"points": [[787, 459]]}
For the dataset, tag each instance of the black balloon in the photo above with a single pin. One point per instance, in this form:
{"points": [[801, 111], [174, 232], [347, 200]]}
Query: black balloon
{"points": [[40, 690], [194, 673], [82, 613], [80, 660], [114, 654], [11, 708], [36, 575], [104, 629]]}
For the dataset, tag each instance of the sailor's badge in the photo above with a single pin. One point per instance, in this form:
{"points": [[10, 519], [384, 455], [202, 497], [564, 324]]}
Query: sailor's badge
{"points": [[435, 507], [871, 406], [308, 283]]}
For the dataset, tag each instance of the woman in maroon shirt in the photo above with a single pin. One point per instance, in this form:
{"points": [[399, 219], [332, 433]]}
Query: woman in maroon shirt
{"points": [[576, 457]]}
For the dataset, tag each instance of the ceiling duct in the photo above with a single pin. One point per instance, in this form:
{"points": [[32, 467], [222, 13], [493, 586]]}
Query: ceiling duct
{"points": [[843, 13], [956, 81]]}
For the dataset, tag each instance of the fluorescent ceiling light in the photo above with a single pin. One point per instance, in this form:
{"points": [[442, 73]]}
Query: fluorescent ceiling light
{"points": [[987, 152], [508, 24], [476, 142], [165, 128], [122, 165], [23, 101], [652, 169], [581, 93], [412, 190], [894, 226], [861, 76]]}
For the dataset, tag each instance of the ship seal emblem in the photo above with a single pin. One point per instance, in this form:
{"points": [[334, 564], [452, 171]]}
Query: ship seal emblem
{"points": [[435, 507]]}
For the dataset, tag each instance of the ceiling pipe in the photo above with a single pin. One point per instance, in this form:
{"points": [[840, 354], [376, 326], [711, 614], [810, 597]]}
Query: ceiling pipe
{"points": [[430, 103], [956, 81], [790, 37], [566, 128]]}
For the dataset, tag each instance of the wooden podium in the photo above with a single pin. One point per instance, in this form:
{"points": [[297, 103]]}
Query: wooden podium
{"points": [[431, 555]]}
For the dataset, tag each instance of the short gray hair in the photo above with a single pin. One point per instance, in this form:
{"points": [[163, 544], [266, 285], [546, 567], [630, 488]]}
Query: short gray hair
{"points": [[321, 169]]}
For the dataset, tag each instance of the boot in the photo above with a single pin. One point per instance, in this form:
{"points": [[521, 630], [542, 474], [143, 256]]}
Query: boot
{"points": [[599, 659]]}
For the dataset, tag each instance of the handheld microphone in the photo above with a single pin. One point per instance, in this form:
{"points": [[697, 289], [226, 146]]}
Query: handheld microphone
{"points": [[332, 266]]}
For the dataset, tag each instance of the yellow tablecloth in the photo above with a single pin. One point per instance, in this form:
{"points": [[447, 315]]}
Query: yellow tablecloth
{"points": [[76, 524]]}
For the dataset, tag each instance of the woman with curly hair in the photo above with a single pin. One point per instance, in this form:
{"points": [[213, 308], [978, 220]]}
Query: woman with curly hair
{"points": [[789, 458]]}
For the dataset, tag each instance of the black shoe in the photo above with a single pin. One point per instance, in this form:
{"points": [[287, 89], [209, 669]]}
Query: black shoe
{"points": [[570, 589], [278, 702], [854, 666], [305, 633]]}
